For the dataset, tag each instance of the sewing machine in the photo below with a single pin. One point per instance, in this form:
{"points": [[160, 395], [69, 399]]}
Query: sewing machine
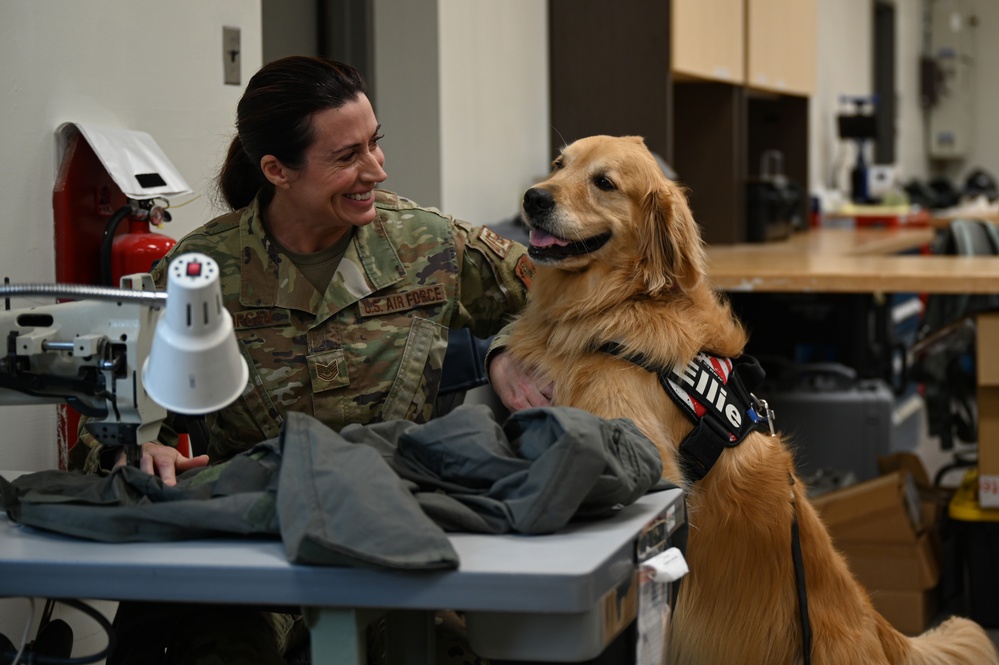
{"points": [[92, 353], [87, 353]]}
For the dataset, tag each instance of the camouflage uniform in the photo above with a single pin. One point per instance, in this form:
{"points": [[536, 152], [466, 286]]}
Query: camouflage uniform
{"points": [[371, 347]]}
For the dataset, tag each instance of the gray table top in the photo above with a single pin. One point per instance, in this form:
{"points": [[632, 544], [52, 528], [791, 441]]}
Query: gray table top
{"points": [[563, 572]]}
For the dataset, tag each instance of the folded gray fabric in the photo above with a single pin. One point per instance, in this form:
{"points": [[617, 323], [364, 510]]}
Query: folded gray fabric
{"points": [[235, 498], [375, 495], [339, 503], [545, 467], [330, 502]]}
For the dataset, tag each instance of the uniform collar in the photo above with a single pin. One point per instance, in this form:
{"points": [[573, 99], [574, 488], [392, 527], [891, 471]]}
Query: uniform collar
{"points": [[270, 279]]}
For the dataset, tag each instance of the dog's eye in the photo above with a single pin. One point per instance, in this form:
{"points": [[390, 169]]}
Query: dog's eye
{"points": [[604, 183], [558, 163]]}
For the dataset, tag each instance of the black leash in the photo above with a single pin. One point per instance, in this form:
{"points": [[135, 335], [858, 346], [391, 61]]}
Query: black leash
{"points": [[726, 412]]}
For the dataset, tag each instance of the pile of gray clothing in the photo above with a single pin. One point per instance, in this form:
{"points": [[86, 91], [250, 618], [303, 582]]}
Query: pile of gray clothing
{"points": [[378, 495]]}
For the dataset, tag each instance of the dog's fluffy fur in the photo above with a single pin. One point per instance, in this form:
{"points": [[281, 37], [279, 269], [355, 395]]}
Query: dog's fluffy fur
{"points": [[619, 258]]}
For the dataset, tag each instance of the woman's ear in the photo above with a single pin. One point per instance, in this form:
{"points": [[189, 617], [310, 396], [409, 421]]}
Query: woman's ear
{"points": [[274, 171]]}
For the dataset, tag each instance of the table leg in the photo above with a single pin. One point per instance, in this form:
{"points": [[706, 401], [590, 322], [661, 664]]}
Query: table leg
{"points": [[337, 635]]}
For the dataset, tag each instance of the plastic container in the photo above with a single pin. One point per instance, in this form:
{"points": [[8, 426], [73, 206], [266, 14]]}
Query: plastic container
{"points": [[835, 422], [977, 531]]}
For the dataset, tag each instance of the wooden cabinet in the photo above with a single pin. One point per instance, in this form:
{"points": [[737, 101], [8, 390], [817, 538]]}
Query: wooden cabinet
{"points": [[654, 68], [609, 70], [781, 45], [707, 39], [763, 44]]}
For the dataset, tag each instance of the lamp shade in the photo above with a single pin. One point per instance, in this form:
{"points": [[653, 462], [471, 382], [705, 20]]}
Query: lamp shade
{"points": [[194, 366]]}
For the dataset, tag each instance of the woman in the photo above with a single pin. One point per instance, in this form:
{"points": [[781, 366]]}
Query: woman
{"points": [[341, 295]]}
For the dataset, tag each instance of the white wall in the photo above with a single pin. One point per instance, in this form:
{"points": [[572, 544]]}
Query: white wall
{"points": [[137, 64], [407, 96], [291, 28], [910, 147], [462, 94], [845, 29], [494, 110], [845, 47], [844, 62], [985, 139]]}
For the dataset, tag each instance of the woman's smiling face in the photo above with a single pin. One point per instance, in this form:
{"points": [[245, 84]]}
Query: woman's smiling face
{"points": [[342, 167]]}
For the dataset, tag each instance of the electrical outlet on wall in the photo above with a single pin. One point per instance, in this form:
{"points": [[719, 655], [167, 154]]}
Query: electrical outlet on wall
{"points": [[230, 55]]}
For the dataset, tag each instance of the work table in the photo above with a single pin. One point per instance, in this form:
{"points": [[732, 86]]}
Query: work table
{"points": [[850, 261]]}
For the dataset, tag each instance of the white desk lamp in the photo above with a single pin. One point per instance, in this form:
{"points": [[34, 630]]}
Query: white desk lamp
{"points": [[194, 366]]}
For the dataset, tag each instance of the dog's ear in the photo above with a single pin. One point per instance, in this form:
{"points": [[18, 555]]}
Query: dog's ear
{"points": [[672, 251]]}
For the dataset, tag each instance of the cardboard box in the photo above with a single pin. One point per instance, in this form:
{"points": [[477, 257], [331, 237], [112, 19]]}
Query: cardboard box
{"points": [[988, 446], [881, 510], [887, 530], [910, 612], [909, 462], [893, 566], [900, 578], [977, 533], [987, 355], [987, 370], [934, 501]]}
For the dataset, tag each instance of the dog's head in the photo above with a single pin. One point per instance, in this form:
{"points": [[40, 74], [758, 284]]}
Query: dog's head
{"points": [[607, 205]]}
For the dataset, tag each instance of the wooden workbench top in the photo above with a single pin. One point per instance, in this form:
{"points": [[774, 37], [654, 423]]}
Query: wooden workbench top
{"points": [[849, 261]]}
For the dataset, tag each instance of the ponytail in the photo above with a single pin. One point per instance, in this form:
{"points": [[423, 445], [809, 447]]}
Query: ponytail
{"points": [[240, 179]]}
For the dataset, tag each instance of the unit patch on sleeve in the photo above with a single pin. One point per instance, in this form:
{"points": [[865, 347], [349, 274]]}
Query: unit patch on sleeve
{"points": [[396, 302], [496, 242], [525, 271]]}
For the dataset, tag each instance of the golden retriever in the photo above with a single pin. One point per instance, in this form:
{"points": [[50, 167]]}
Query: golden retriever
{"points": [[620, 259]]}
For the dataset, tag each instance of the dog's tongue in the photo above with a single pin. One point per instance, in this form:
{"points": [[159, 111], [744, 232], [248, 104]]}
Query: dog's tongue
{"points": [[542, 239]]}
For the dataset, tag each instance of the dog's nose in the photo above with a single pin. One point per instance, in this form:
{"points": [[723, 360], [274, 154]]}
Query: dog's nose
{"points": [[537, 201]]}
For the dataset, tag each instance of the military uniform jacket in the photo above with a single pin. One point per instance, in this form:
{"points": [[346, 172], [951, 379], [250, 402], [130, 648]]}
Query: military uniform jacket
{"points": [[371, 347], [381, 494]]}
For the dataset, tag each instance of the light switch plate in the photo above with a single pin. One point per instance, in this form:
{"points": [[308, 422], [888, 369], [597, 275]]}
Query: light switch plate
{"points": [[230, 55]]}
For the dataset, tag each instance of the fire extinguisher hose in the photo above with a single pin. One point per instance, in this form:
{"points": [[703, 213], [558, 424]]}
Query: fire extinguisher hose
{"points": [[108, 241]]}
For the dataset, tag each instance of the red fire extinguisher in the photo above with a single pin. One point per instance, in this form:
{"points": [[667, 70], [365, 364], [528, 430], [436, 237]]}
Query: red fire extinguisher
{"points": [[138, 249], [87, 249]]}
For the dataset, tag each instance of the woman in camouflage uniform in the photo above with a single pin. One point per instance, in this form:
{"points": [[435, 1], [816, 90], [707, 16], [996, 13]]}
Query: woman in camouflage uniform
{"points": [[341, 294]]}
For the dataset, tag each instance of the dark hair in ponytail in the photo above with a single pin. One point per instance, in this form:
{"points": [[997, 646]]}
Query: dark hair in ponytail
{"points": [[274, 117]]}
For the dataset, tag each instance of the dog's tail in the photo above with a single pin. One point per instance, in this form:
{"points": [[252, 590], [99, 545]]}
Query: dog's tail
{"points": [[957, 641]]}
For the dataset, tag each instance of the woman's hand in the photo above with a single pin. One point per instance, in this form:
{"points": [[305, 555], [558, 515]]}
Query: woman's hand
{"points": [[165, 461], [515, 385]]}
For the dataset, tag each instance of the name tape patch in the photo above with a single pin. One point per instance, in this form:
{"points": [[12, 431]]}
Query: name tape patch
{"points": [[260, 318], [397, 302]]}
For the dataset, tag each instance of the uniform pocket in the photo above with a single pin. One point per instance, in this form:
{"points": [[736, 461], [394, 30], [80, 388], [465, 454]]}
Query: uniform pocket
{"points": [[265, 337], [415, 388], [328, 370]]}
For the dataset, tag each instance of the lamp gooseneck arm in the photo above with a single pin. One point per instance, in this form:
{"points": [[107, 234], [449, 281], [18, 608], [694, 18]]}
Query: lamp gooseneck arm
{"points": [[82, 292]]}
